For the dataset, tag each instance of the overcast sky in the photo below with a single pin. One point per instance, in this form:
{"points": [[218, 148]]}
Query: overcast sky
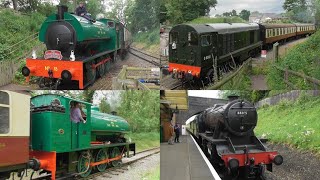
{"points": [[204, 93], [265, 6]]}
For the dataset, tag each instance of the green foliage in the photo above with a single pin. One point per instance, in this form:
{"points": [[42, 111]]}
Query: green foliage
{"points": [[178, 11], [295, 123], [145, 140], [149, 38], [303, 58], [154, 174], [142, 15], [298, 10], [141, 109], [241, 81], [202, 20], [104, 106], [15, 28], [244, 14]]}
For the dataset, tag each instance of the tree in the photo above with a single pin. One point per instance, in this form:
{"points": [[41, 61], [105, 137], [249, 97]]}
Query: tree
{"points": [[298, 10], [178, 11], [104, 106], [234, 13], [245, 14], [293, 5]]}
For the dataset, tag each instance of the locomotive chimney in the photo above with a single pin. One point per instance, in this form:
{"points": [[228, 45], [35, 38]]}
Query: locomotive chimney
{"points": [[61, 10], [232, 98]]}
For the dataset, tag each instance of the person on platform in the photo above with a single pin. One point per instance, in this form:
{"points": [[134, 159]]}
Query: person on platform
{"points": [[77, 115], [82, 11], [177, 132]]}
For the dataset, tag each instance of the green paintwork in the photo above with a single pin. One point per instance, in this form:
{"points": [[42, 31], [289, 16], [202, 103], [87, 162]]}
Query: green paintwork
{"points": [[86, 30], [104, 123], [54, 131]]}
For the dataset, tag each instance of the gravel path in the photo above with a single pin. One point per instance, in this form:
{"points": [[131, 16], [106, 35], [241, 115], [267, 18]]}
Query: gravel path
{"points": [[258, 82], [296, 165], [136, 170]]}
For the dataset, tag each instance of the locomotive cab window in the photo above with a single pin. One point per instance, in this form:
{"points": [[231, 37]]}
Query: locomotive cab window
{"points": [[193, 39], [173, 37], [77, 112], [111, 24], [206, 40], [4, 113]]}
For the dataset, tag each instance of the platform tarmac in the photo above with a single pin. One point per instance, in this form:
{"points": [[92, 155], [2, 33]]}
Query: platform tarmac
{"points": [[183, 161]]}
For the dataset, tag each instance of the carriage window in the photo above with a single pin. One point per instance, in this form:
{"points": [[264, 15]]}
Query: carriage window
{"points": [[4, 98], [206, 40], [4, 113]]}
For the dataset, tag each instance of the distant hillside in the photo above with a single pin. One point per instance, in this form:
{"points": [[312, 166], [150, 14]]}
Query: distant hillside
{"points": [[202, 20], [292, 122]]}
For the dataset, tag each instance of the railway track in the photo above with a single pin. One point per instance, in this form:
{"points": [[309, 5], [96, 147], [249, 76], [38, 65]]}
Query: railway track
{"points": [[145, 56], [114, 171]]}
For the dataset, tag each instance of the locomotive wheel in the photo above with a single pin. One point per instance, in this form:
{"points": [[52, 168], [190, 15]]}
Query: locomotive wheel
{"points": [[107, 66], [115, 57], [91, 73], [101, 69], [114, 153], [83, 167], [100, 156]]}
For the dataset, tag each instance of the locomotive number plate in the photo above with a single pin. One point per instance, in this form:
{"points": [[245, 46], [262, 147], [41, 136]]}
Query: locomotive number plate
{"points": [[53, 54], [241, 112]]}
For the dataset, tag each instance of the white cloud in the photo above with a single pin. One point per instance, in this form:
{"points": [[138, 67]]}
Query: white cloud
{"points": [[264, 6]]}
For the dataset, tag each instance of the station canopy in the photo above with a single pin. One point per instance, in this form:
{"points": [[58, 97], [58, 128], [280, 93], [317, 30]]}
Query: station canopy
{"points": [[175, 99]]}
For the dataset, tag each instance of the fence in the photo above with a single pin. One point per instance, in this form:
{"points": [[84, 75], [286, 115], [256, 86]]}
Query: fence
{"points": [[290, 96], [230, 76], [313, 81], [13, 60], [132, 77]]}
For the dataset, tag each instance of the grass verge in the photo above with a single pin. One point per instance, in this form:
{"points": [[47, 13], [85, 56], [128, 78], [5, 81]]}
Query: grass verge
{"points": [[147, 41], [295, 123], [153, 174], [302, 58], [145, 140]]}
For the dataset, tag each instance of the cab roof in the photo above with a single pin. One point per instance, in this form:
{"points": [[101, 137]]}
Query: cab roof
{"points": [[222, 28]]}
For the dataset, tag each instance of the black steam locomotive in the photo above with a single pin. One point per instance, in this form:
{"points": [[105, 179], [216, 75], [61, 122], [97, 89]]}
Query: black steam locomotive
{"points": [[225, 133]]}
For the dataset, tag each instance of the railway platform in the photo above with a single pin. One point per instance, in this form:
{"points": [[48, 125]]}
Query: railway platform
{"points": [[184, 161]]}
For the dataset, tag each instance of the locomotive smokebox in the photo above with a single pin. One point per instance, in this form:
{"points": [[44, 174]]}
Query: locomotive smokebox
{"points": [[61, 10]]}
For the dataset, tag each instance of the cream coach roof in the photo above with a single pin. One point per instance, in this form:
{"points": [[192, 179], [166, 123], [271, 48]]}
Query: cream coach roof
{"points": [[19, 114]]}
